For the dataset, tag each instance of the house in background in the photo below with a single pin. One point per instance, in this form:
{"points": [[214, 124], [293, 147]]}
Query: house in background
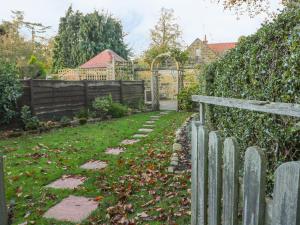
{"points": [[107, 65], [201, 52]]}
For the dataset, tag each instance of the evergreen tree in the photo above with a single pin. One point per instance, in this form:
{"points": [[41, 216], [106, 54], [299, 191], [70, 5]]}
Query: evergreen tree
{"points": [[80, 37]]}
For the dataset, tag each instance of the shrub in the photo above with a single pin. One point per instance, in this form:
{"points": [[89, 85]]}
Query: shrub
{"points": [[65, 120], [185, 98], [29, 122], [82, 121], [264, 66], [102, 105], [10, 91], [85, 113], [117, 110]]}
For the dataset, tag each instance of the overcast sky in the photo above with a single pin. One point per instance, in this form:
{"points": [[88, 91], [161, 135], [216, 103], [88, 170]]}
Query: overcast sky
{"points": [[196, 17]]}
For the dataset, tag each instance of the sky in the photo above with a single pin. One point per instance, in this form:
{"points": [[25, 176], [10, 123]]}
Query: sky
{"points": [[196, 17]]}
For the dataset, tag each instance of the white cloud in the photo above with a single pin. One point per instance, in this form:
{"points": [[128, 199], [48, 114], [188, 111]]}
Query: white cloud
{"points": [[196, 17]]}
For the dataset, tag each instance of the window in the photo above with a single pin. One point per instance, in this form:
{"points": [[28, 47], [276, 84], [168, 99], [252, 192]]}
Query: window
{"points": [[198, 52]]}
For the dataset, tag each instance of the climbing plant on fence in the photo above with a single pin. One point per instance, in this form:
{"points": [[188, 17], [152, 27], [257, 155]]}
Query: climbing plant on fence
{"points": [[264, 66]]}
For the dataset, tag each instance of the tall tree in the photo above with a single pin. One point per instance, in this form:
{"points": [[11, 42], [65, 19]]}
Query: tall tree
{"points": [[166, 32], [16, 49], [165, 36], [81, 37]]}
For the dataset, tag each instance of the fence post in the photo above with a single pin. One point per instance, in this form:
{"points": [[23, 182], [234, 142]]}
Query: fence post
{"points": [[286, 198], [86, 94], [202, 152], [31, 83], [195, 139], [254, 187], [202, 113], [121, 92], [230, 182], [3, 207], [215, 178]]}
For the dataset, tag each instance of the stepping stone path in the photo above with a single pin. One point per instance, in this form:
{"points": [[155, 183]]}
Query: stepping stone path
{"points": [[140, 135], [145, 130], [73, 209], [129, 141], [114, 151], [67, 182], [164, 113], [148, 125], [94, 165], [76, 209], [150, 122]]}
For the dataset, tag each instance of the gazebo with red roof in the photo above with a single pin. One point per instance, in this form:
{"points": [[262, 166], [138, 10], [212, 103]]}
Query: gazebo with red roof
{"points": [[104, 59]]}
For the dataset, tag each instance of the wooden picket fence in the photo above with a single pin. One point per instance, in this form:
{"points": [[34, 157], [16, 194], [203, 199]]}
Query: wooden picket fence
{"points": [[216, 189]]}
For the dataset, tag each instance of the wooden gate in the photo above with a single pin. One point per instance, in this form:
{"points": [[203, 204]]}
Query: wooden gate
{"points": [[216, 188]]}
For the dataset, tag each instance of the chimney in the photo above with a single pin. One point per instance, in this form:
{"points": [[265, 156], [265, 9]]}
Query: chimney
{"points": [[205, 39]]}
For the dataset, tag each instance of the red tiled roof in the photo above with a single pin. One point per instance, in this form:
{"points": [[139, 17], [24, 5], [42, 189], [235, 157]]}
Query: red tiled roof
{"points": [[221, 47], [102, 60]]}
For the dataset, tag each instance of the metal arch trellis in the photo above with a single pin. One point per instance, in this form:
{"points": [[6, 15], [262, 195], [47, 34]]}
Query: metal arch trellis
{"points": [[155, 78]]}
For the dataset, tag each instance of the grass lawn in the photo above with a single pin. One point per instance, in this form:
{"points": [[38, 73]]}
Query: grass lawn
{"points": [[136, 178]]}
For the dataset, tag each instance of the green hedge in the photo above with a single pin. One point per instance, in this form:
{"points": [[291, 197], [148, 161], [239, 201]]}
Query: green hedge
{"points": [[264, 66]]}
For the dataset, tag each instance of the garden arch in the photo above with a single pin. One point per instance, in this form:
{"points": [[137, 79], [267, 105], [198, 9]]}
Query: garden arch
{"points": [[155, 78]]}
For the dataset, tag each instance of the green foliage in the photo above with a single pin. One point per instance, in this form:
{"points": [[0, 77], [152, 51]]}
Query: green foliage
{"points": [[117, 110], [80, 37], [29, 122], [264, 66], [10, 91], [185, 98], [84, 113], [36, 68], [82, 121], [65, 120], [102, 105]]}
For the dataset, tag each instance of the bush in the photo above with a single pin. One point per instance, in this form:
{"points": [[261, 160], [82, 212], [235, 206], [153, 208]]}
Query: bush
{"points": [[10, 91], [85, 113], [29, 122], [65, 121], [185, 98], [117, 110], [82, 121], [264, 66], [102, 105]]}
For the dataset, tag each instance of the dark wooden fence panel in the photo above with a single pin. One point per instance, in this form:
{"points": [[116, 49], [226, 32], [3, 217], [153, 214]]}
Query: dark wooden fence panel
{"points": [[132, 93], [52, 99]]}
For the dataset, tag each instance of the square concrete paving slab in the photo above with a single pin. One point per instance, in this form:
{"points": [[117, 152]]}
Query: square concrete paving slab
{"points": [[145, 130], [164, 113], [67, 182], [150, 122], [72, 209], [139, 135], [155, 117], [129, 141], [114, 151], [149, 125], [94, 165]]}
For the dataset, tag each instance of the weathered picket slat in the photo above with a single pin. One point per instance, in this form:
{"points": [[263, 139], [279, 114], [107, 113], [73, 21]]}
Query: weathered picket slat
{"points": [[195, 139], [202, 175], [3, 207], [286, 199], [230, 182], [254, 187], [215, 178]]}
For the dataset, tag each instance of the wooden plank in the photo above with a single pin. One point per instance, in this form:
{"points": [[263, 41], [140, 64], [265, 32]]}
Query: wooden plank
{"points": [[202, 113], [287, 109], [215, 178], [195, 139], [3, 207], [202, 175], [230, 182], [286, 197], [254, 187]]}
